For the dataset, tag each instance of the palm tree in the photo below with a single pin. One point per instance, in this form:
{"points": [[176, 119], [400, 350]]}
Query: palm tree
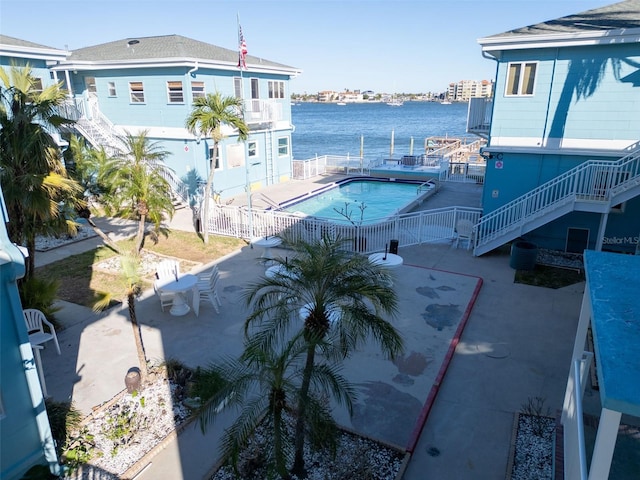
{"points": [[263, 384], [136, 186], [132, 283], [342, 295], [34, 180], [208, 116], [89, 170]]}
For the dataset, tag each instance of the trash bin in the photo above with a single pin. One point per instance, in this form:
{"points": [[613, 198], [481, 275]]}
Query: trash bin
{"points": [[393, 247], [523, 255]]}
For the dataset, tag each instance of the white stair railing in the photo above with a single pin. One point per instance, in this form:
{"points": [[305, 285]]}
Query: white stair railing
{"points": [[594, 181]]}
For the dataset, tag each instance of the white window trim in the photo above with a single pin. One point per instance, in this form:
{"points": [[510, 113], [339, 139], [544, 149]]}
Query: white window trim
{"points": [[288, 146], [210, 155], [522, 64], [169, 91], [249, 149], [131, 92], [115, 89], [204, 90]]}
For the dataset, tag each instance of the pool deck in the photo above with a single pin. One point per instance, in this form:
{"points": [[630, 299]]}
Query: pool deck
{"points": [[516, 344]]}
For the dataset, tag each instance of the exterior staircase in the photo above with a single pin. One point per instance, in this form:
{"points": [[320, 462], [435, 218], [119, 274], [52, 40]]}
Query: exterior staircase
{"points": [[594, 186], [98, 130]]}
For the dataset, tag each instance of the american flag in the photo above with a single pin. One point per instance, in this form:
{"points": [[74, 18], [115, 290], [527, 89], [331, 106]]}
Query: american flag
{"points": [[242, 50]]}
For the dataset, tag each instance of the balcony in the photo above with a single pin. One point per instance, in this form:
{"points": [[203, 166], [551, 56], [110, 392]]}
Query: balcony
{"points": [[262, 112], [479, 116]]}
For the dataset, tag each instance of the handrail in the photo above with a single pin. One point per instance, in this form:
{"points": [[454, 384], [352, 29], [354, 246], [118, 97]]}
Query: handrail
{"points": [[593, 180], [582, 454], [267, 199]]}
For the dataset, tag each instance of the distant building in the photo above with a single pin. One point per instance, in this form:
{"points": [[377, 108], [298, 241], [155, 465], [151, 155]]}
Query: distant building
{"points": [[463, 90]]}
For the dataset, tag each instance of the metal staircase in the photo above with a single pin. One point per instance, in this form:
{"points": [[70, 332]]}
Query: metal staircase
{"points": [[594, 186], [268, 151], [99, 131]]}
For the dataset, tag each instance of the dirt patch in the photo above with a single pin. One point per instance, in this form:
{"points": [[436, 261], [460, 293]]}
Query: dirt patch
{"points": [[549, 276]]}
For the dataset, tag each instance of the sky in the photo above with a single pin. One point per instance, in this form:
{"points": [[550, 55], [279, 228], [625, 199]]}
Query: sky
{"points": [[403, 46]]}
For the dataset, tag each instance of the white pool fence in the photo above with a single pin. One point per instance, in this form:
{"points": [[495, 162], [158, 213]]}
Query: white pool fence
{"points": [[415, 228]]}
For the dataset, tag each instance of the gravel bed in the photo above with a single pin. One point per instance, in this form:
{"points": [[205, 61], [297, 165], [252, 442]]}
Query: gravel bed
{"points": [[556, 258], [357, 458], [533, 456], [125, 431], [44, 243]]}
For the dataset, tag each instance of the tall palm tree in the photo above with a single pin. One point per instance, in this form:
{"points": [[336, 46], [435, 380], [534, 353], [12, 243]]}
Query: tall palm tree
{"points": [[136, 185], [263, 384], [34, 180], [342, 295], [132, 286], [208, 116]]}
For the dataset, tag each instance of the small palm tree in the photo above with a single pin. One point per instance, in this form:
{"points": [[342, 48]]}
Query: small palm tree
{"points": [[90, 170], [132, 287], [34, 181], [263, 384], [136, 186], [329, 283], [208, 116]]}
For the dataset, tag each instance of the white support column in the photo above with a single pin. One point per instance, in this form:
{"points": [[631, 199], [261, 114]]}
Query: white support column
{"points": [[602, 228], [578, 347], [605, 444]]}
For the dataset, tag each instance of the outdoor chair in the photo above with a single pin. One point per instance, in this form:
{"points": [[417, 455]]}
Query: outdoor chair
{"points": [[207, 288], [36, 321], [167, 270], [464, 230]]}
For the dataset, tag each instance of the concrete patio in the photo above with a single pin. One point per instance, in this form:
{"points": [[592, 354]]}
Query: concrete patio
{"points": [[516, 345]]}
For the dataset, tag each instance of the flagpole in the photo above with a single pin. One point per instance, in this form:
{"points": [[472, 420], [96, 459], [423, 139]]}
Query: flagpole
{"points": [[247, 172]]}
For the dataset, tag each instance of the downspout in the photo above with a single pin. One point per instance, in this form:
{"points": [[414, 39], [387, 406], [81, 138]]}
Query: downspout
{"points": [[546, 120], [194, 69]]}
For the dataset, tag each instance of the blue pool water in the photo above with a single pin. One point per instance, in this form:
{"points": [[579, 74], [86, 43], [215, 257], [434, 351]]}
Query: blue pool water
{"points": [[375, 200]]}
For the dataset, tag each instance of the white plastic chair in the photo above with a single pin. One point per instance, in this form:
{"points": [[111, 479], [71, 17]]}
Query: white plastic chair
{"points": [[36, 321], [166, 270], [207, 284], [464, 229]]}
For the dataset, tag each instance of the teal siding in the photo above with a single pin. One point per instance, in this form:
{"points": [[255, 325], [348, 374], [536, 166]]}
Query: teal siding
{"points": [[25, 435], [580, 93], [39, 68]]}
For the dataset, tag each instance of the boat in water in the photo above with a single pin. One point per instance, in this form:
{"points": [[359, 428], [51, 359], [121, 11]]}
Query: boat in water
{"points": [[395, 102]]}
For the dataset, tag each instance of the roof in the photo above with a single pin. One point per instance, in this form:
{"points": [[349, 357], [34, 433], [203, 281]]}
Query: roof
{"points": [[16, 47], [615, 23], [613, 280], [163, 50]]}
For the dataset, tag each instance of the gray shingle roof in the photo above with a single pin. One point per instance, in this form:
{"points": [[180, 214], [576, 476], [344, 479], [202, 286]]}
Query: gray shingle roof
{"points": [[166, 47], [16, 42], [617, 16]]}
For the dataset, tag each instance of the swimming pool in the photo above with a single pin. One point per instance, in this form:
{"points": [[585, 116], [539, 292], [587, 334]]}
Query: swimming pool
{"points": [[368, 200]]}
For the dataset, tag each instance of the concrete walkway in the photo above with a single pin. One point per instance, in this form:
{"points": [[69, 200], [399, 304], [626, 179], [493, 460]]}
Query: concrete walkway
{"points": [[516, 345]]}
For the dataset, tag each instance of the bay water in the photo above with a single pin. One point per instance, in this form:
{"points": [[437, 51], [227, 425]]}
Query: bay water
{"points": [[331, 129]]}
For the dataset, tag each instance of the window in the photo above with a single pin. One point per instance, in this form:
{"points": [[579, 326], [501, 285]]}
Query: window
{"points": [[111, 86], [136, 90], [283, 146], [217, 157], [237, 86], [174, 92], [37, 85], [197, 90], [90, 84], [276, 89], [252, 149], [255, 93], [521, 79]]}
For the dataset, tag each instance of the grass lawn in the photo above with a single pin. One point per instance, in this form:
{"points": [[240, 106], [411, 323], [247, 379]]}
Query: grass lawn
{"points": [[81, 284]]}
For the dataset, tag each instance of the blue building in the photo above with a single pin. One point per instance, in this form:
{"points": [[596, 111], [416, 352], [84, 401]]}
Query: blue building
{"points": [[563, 131], [150, 84], [25, 434]]}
